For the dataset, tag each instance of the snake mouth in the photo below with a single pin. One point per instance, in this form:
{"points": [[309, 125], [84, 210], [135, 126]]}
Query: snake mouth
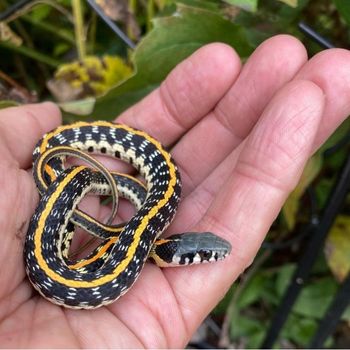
{"points": [[193, 248]]}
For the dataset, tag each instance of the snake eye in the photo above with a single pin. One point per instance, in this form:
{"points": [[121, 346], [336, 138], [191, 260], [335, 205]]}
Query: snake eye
{"points": [[205, 254]]}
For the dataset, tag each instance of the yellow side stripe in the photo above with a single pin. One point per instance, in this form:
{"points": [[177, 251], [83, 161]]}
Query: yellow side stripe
{"points": [[138, 232], [96, 256]]}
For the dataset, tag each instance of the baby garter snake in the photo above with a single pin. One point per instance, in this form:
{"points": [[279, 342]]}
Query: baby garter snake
{"points": [[112, 268]]}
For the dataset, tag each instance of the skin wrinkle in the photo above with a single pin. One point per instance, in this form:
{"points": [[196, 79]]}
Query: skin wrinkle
{"points": [[203, 201], [230, 123], [179, 313], [185, 86], [170, 112], [182, 310], [215, 179], [180, 88], [50, 317], [31, 196], [261, 175], [222, 118], [5, 150], [9, 304], [155, 316], [12, 311], [103, 342], [125, 319], [157, 313], [31, 330], [326, 76], [205, 147], [78, 340], [65, 316], [287, 71], [132, 333], [171, 104], [79, 331], [13, 247], [269, 136], [296, 135]]}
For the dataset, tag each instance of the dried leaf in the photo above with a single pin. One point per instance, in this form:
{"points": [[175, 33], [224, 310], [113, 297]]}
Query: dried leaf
{"points": [[337, 247], [6, 34], [291, 206], [115, 10], [291, 3], [90, 78]]}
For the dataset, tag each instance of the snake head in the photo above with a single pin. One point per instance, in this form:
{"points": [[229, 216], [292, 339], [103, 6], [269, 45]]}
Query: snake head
{"points": [[189, 248]]}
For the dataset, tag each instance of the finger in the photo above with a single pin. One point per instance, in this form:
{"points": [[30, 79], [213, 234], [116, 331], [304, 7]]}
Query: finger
{"points": [[330, 70], [273, 64], [22, 127], [267, 170], [190, 91]]}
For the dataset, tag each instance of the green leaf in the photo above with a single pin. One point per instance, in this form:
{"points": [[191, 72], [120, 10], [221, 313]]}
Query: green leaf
{"points": [[8, 103], [248, 5], [337, 248], [291, 206], [299, 329], [343, 6], [171, 40], [315, 298], [253, 291], [221, 308], [251, 330], [208, 5], [39, 13], [79, 107], [346, 314], [338, 135], [283, 279]]}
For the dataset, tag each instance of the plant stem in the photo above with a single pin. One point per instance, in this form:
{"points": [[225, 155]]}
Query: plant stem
{"points": [[57, 31], [92, 32], [26, 51], [79, 28], [150, 14]]}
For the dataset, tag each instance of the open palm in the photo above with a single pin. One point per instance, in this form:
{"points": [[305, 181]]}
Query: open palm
{"points": [[241, 138]]}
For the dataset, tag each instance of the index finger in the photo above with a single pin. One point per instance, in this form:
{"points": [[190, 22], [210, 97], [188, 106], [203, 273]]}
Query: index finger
{"points": [[189, 92]]}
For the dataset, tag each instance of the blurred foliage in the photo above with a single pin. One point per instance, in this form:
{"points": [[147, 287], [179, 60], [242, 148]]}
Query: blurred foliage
{"points": [[61, 50]]}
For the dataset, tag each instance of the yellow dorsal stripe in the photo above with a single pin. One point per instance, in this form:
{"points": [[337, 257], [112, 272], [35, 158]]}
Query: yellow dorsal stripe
{"points": [[138, 232]]}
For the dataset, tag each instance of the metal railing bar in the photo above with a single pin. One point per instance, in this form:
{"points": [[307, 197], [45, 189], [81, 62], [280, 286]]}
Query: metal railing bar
{"points": [[330, 320], [314, 246]]}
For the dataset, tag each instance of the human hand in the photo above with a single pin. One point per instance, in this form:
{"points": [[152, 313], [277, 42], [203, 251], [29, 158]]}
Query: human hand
{"points": [[242, 137]]}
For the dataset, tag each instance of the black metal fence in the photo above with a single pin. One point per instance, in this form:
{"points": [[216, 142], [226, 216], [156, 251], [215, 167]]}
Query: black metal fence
{"points": [[319, 231]]}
